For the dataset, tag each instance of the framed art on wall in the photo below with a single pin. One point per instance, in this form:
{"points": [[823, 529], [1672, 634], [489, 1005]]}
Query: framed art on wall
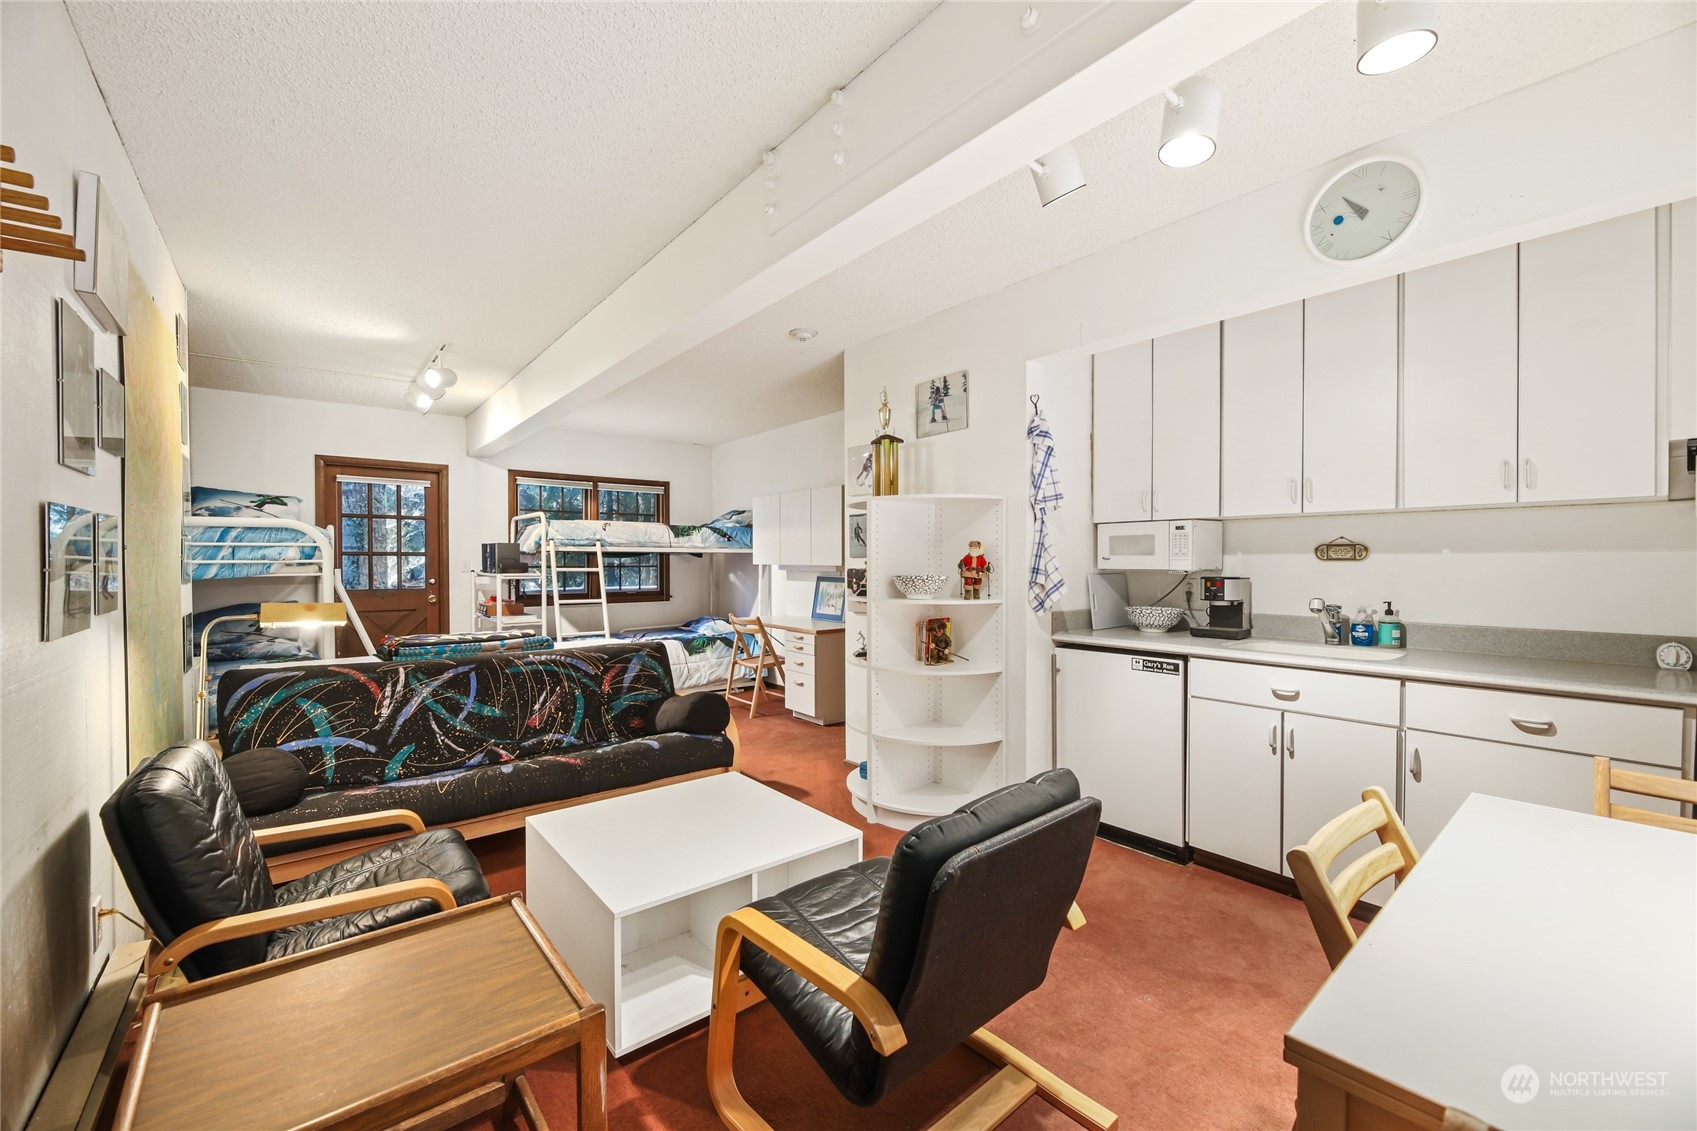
{"points": [[857, 537], [940, 405], [79, 395], [857, 475], [830, 595], [67, 597], [108, 563], [111, 414]]}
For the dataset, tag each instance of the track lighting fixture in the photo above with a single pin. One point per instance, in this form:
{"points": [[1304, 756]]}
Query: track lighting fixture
{"points": [[1190, 122], [1057, 174], [1391, 34], [418, 398], [437, 378]]}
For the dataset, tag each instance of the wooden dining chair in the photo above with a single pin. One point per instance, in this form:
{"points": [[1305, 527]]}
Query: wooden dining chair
{"points": [[1329, 901], [1644, 785], [751, 648]]}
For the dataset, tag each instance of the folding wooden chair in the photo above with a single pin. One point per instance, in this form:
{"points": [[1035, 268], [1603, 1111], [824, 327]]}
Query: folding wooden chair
{"points": [[1644, 785], [751, 648]]}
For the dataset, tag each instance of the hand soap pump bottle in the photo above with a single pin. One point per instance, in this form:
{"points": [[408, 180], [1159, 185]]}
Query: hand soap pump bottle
{"points": [[1390, 628]]}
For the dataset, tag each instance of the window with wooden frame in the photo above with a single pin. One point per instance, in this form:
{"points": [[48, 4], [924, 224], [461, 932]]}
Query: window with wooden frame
{"points": [[630, 577]]}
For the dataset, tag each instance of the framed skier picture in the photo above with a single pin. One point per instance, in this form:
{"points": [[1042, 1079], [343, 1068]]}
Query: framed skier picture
{"points": [[940, 405]]}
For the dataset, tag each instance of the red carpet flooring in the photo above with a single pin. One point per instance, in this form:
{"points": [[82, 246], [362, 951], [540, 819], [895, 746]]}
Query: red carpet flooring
{"points": [[1169, 1007]]}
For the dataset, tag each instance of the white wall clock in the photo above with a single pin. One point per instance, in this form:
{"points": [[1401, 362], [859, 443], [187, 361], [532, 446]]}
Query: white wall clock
{"points": [[1365, 210]]}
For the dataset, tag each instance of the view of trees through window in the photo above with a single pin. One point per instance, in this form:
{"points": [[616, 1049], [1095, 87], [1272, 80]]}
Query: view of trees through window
{"points": [[642, 577]]}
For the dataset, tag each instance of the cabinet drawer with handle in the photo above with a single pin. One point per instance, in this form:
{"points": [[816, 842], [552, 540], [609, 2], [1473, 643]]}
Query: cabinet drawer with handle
{"points": [[1628, 731], [800, 662], [1361, 698], [795, 641], [798, 693]]}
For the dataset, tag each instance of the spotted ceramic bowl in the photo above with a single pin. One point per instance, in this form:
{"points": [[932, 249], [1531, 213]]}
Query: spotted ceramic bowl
{"points": [[920, 586], [1153, 618]]}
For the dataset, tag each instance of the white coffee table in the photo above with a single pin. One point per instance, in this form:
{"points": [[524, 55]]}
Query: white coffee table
{"points": [[631, 889]]}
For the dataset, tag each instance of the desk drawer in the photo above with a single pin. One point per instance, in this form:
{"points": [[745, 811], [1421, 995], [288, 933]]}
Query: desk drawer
{"points": [[794, 641], [1627, 731], [1359, 698], [798, 692], [804, 662]]}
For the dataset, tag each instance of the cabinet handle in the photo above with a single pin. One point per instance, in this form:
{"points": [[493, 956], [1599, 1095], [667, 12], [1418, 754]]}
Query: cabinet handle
{"points": [[1533, 726], [1293, 497], [1414, 766], [1155, 502], [1307, 489], [1508, 475], [1290, 742], [1273, 740], [1530, 471], [1143, 501], [1288, 694]]}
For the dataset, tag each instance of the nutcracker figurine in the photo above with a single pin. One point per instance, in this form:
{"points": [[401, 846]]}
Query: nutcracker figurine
{"points": [[972, 568]]}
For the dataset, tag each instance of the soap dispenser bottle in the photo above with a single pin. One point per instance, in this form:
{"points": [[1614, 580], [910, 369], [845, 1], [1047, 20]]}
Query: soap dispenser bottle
{"points": [[1361, 630], [1390, 628]]}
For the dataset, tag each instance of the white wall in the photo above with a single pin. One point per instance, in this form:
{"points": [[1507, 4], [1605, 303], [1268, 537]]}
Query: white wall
{"points": [[1245, 255], [250, 442], [62, 704], [797, 456]]}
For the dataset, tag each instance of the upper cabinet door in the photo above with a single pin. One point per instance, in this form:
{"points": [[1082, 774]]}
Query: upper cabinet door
{"points": [[826, 522], [1588, 362], [1122, 462], [795, 528], [1261, 413], [767, 529], [1459, 375], [1682, 323], [1349, 411], [1186, 436]]}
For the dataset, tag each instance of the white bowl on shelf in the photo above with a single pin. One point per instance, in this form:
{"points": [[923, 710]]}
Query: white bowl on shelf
{"points": [[920, 586], [1153, 618]]}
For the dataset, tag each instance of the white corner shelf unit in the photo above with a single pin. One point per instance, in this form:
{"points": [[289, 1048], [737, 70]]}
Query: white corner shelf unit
{"points": [[935, 735]]}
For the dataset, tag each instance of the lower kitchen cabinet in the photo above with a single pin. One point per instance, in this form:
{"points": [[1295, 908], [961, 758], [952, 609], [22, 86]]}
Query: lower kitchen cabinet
{"points": [[1119, 725], [1235, 772], [1327, 763]]}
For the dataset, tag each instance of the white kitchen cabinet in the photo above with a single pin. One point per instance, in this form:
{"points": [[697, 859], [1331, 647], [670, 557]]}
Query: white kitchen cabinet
{"points": [[1327, 763], [795, 528], [1443, 769], [1261, 413], [1187, 424], [1234, 786], [1122, 435], [768, 523], [1119, 726], [825, 522], [1460, 377], [1588, 362], [1349, 410], [1682, 321]]}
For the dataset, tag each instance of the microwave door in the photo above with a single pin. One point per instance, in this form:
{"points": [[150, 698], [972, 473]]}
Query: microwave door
{"points": [[1139, 546]]}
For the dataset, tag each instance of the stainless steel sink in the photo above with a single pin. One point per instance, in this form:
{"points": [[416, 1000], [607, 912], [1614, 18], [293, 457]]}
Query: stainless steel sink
{"points": [[1324, 651]]}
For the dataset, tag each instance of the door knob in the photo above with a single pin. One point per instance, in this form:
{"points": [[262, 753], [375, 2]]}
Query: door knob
{"points": [[431, 598]]}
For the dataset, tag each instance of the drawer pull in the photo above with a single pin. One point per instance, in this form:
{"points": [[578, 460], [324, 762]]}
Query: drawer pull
{"points": [[1533, 726], [1414, 765], [1273, 740], [1288, 694]]}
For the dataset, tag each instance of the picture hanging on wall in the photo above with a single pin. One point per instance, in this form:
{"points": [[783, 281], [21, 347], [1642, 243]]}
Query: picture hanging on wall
{"points": [[182, 344], [111, 415], [183, 410], [67, 599], [940, 405], [830, 596], [188, 641], [188, 506], [108, 563], [857, 536], [857, 476], [79, 396]]}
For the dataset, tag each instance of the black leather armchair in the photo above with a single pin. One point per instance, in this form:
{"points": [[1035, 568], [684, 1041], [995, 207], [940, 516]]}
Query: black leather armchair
{"points": [[882, 967], [195, 868]]}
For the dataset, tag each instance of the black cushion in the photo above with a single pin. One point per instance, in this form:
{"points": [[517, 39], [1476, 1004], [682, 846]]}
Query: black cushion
{"points": [[439, 854], [704, 712], [266, 779]]}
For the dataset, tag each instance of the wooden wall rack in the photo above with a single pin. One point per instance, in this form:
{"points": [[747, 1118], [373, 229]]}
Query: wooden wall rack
{"points": [[26, 224]]}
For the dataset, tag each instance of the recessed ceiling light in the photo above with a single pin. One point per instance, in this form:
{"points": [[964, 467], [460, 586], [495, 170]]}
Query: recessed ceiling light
{"points": [[1391, 34], [804, 333], [1190, 122]]}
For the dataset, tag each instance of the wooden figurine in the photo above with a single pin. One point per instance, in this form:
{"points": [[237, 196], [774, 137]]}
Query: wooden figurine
{"points": [[973, 566]]}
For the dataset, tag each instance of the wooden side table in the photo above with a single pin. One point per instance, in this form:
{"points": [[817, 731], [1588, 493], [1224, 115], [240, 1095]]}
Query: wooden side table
{"points": [[425, 1024]]}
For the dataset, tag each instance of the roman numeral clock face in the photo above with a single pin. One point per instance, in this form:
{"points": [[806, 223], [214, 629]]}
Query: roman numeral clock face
{"points": [[1364, 211]]}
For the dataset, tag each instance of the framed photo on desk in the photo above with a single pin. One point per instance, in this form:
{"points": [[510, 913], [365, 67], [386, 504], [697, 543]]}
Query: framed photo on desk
{"points": [[830, 596]]}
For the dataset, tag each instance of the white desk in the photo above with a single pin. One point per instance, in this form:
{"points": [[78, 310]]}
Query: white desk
{"points": [[631, 889], [1526, 936]]}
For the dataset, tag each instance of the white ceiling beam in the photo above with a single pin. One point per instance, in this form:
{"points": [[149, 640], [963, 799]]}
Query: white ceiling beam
{"points": [[966, 97]]}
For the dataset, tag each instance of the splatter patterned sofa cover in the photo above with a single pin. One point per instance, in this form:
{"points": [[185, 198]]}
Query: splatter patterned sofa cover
{"points": [[457, 739]]}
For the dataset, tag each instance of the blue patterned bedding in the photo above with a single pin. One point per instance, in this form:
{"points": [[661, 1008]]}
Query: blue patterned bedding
{"points": [[241, 551], [699, 650], [732, 530]]}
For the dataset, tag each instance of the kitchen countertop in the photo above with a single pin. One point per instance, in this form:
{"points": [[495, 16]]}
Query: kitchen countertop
{"points": [[1622, 682]]}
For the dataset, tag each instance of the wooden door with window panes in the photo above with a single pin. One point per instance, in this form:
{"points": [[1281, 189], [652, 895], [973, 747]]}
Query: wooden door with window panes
{"points": [[390, 525]]}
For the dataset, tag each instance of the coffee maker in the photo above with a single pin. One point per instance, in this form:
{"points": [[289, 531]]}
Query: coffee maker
{"points": [[1227, 613]]}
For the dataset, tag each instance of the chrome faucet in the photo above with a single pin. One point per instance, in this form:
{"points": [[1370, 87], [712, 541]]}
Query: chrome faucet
{"points": [[1332, 624]]}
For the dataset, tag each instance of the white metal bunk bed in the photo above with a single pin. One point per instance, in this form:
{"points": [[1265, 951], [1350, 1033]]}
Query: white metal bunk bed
{"points": [[309, 556]]}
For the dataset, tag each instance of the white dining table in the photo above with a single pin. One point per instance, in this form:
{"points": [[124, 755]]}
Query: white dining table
{"points": [[1538, 969]]}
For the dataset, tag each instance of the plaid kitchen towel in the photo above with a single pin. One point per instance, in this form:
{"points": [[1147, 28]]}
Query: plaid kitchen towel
{"points": [[1045, 585]]}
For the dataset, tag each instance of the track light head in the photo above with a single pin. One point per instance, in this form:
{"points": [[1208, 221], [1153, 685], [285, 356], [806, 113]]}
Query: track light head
{"points": [[418, 398], [1391, 34], [439, 379], [1056, 174], [1190, 123]]}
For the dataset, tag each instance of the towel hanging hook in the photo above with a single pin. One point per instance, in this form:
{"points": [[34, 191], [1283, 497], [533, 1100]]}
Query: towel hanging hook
{"points": [[1035, 407]]}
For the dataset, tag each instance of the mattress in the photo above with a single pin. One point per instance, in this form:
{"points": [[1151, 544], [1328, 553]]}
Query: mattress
{"points": [[730, 531], [698, 650]]}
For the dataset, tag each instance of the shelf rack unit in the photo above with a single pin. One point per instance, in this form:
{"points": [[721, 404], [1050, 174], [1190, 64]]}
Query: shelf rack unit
{"points": [[935, 735]]}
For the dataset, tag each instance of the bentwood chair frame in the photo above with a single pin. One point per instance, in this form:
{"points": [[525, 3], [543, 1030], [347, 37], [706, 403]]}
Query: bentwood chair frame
{"points": [[1329, 901], [1608, 777], [758, 663]]}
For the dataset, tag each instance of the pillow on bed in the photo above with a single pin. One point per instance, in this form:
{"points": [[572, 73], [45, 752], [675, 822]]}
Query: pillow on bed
{"points": [[219, 502], [243, 639], [704, 712]]}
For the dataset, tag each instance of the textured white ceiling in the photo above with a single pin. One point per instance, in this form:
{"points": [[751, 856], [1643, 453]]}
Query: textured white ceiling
{"points": [[345, 186], [1292, 101]]}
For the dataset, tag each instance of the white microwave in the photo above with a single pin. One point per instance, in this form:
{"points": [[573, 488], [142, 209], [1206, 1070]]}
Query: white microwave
{"points": [[1184, 546]]}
